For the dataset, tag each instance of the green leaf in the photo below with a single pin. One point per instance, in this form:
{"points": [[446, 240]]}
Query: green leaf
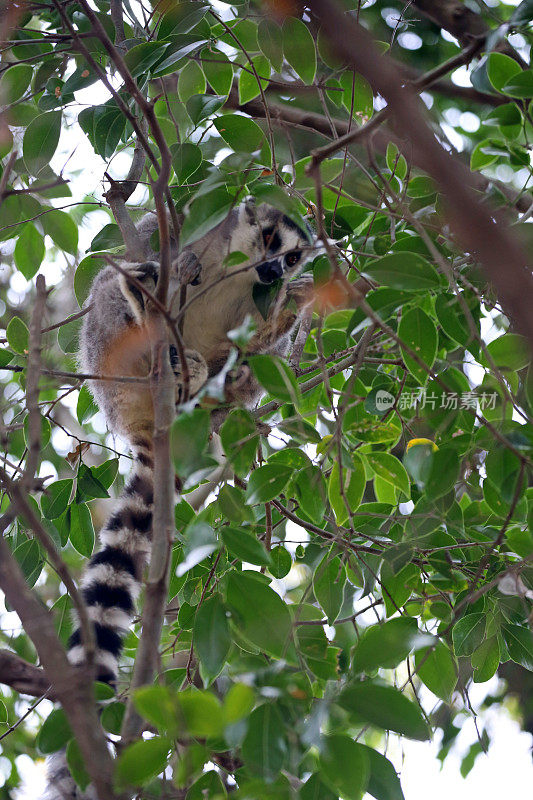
{"points": [[5, 357], [509, 352], [444, 472], [299, 49], [352, 487], [191, 81], [106, 473], [452, 318], [28, 557], [238, 703], [56, 498], [265, 750], [218, 70], [383, 783], [519, 641], [328, 585], [182, 18], [81, 529], [520, 85], [239, 439], [200, 542], [108, 238], [403, 270], [142, 761], [199, 713], [390, 469], [200, 107], [212, 638], [261, 615], [87, 270], [68, 335], [88, 486], [330, 169], [159, 705], [385, 645], [500, 69], [208, 785], [281, 562], [186, 158], [418, 461], [55, 732], [232, 504], [523, 13], [76, 765], [18, 335], [14, 82], [437, 668], [357, 93], [62, 229], [486, 659], [112, 717], [267, 482], [269, 38], [468, 633], [315, 789], [419, 333], [189, 437], [244, 546], [85, 407], [249, 85], [205, 213], [141, 57], [40, 141], [276, 377], [484, 154], [345, 766], [241, 133], [385, 707]]}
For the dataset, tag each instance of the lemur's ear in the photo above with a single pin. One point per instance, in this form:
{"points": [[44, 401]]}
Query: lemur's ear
{"points": [[248, 211]]}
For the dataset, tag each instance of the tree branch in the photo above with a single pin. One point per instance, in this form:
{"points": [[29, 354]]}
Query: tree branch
{"points": [[69, 684], [464, 24], [24, 677]]}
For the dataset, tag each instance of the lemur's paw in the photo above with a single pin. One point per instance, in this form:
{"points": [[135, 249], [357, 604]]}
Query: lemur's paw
{"points": [[237, 382], [197, 369], [145, 270], [301, 290], [189, 268], [146, 273], [279, 325]]}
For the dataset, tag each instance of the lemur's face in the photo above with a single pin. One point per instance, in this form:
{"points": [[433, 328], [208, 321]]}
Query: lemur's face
{"points": [[276, 245]]}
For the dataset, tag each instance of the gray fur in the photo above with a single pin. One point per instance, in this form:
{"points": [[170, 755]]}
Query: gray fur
{"points": [[219, 303]]}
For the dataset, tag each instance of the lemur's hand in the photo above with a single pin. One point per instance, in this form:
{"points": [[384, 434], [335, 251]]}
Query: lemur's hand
{"points": [[188, 267], [301, 290], [147, 273]]}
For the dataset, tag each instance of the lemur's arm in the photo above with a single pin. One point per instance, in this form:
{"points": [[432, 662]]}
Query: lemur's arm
{"points": [[187, 266]]}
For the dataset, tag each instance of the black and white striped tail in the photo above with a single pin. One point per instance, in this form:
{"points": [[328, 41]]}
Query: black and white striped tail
{"points": [[112, 580], [110, 587]]}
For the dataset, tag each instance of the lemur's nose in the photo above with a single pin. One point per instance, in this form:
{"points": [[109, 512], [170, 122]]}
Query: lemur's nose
{"points": [[270, 271]]}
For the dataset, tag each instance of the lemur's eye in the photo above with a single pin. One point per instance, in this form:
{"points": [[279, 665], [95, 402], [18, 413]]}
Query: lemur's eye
{"points": [[291, 259]]}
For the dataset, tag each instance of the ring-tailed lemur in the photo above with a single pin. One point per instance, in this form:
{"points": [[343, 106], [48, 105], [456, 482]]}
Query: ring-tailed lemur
{"points": [[115, 342]]}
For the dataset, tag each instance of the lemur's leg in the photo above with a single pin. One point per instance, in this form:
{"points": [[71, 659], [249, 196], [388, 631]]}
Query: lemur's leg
{"points": [[271, 337], [136, 403]]}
